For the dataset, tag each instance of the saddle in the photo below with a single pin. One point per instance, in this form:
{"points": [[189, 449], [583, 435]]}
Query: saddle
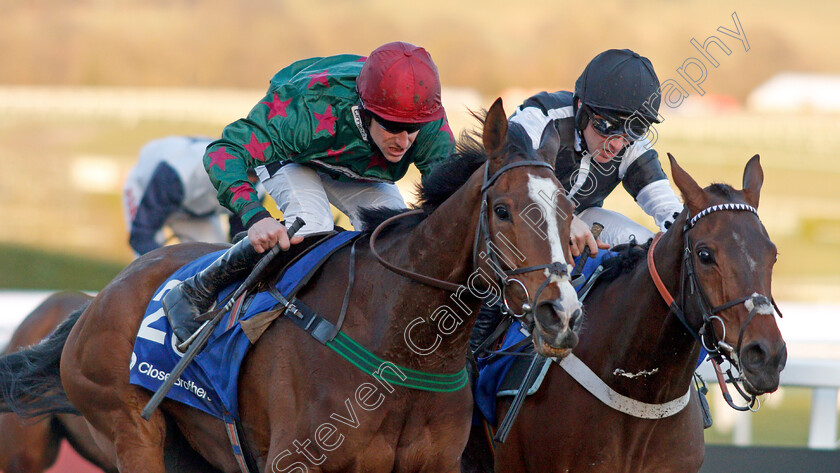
{"points": [[209, 383]]}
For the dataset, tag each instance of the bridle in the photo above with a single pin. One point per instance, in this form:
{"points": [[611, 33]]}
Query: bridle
{"points": [[717, 349], [489, 252]]}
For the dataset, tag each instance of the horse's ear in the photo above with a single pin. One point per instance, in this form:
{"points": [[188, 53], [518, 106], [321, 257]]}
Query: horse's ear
{"points": [[549, 144], [495, 128], [692, 193], [753, 179]]}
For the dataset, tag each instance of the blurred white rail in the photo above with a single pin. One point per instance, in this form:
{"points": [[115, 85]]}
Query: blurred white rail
{"points": [[822, 376]]}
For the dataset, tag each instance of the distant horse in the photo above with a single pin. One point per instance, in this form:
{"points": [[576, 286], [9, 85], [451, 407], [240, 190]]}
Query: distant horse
{"points": [[716, 260], [486, 206], [33, 447]]}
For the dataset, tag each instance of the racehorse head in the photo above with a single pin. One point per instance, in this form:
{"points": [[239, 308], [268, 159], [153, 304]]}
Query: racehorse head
{"points": [[729, 259], [526, 224]]}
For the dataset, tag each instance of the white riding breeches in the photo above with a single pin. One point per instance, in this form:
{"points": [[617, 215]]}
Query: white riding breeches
{"points": [[301, 191], [618, 229]]}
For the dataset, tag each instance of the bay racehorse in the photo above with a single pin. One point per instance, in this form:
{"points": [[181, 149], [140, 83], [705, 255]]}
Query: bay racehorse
{"points": [[30, 447], [716, 260], [303, 407]]}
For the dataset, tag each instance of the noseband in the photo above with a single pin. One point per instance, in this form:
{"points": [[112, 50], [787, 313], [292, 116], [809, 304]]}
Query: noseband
{"points": [[717, 348], [489, 253]]}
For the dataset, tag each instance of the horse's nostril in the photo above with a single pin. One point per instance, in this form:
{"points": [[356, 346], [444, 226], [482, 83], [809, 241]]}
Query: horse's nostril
{"points": [[755, 354], [573, 320], [548, 313]]}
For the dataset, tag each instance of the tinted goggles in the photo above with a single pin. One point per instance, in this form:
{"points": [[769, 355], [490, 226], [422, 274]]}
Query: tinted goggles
{"points": [[633, 128], [395, 128]]}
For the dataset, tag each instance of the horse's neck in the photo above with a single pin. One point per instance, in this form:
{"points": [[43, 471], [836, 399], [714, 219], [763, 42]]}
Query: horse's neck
{"points": [[633, 342], [441, 247]]}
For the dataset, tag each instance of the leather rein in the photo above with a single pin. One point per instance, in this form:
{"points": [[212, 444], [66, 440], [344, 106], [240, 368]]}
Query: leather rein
{"points": [[503, 276], [717, 349]]}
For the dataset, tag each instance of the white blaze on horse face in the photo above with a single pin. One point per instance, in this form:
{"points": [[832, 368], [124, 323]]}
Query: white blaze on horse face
{"points": [[744, 250], [538, 187]]}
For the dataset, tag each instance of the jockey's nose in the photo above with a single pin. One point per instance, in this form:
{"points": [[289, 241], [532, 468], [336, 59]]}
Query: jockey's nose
{"points": [[616, 143], [402, 139]]}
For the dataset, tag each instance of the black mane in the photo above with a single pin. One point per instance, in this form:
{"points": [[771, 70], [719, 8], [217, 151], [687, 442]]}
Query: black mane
{"points": [[449, 175], [724, 190], [627, 258]]}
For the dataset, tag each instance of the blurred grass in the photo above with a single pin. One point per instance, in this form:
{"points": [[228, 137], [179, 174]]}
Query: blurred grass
{"points": [[29, 268], [782, 420]]}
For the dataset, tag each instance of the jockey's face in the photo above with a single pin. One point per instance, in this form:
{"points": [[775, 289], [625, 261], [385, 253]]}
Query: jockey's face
{"points": [[603, 148], [392, 145]]}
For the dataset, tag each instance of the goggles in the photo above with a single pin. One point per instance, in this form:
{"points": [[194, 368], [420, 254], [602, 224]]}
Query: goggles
{"points": [[395, 128], [633, 128]]}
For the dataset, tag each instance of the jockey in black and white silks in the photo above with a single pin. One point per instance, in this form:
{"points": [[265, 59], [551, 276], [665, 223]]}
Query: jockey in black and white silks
{"points": [[603, 127]]}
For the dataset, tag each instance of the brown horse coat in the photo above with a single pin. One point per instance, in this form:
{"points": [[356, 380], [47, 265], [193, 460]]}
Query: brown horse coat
{"points": [[628, 329], [302, 405], [33, 447]]}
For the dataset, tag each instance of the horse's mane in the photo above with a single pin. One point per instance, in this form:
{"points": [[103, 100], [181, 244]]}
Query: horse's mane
{"points": [[448, 175], [627, 257]]}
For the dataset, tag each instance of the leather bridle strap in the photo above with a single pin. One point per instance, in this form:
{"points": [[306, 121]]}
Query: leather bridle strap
{"points": [[663, 291], [482, 230], [654, 274], [445, 285]]}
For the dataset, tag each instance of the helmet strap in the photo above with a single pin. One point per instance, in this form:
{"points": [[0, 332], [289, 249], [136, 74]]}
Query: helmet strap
{"points": [[581, 122]]}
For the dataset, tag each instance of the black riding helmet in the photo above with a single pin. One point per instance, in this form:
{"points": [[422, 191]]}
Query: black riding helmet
{"points": [[618, 83]]}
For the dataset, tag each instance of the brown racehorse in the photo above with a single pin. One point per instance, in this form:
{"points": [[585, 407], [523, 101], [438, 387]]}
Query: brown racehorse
{"points": [[641, 350], [33, 447], [303, 406]]}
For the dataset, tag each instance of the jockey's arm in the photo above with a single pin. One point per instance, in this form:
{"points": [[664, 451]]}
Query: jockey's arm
{"points": [[648, 184], [659, 201], [163, 196]]}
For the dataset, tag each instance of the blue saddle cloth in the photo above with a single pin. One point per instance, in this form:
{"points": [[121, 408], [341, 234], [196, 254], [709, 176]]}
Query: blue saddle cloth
{"points": [[491, 375], [210, 382]]}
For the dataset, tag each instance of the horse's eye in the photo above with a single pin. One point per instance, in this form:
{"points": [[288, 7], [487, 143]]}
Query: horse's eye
{"points": [[705, 256], [502, 212]]}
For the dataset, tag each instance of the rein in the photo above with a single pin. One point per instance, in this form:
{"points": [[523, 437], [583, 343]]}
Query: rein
{"points": [[717, 348], [482, 234]]}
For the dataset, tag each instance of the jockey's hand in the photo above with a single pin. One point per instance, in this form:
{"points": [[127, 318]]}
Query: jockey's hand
{"points": [[268, 232], [582, 237]]}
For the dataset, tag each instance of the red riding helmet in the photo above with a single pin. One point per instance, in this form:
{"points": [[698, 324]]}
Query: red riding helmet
{"points": [[399, 82]]}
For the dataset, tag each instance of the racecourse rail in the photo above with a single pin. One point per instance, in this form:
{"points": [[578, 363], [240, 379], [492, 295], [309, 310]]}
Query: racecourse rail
{"points": [[806, 327]]}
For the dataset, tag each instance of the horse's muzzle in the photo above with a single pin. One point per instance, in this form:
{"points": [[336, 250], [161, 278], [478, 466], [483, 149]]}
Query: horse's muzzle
{"points": [[556, 328], [761, 364]]}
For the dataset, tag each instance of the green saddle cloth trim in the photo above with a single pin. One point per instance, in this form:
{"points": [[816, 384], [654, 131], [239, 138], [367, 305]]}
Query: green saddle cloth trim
{"points": [[371, 364]]}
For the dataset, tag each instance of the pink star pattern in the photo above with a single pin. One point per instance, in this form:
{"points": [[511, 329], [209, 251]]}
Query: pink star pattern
{"points": [[277, 107], [377, 161], [220, 157], [326, 121], [243, 191], [335, 153], [318, 78], [256, 149]]}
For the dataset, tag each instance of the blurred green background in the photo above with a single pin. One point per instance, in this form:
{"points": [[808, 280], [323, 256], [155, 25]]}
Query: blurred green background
{"points": [[84, 84]]}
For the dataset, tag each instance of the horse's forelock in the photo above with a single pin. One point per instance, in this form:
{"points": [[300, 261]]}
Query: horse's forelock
{"points": [[724, 191]]}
